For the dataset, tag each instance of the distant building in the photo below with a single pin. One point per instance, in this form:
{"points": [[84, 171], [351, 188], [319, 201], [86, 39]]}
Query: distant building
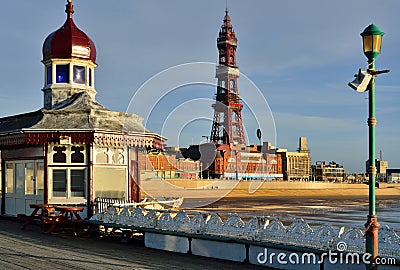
{"points": [[381, 167], [393, 175], [251, 164], [296, 165], [331, 172], [169, 164]]}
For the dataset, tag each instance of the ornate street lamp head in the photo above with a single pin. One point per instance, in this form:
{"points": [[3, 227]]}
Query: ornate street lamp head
{"points": [[372, 41]]}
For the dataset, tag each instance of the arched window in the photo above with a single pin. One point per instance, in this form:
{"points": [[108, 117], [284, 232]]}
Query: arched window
{"points": [[77, 156], [117, 157], [59, 156], [232, 84], [102, 158]]}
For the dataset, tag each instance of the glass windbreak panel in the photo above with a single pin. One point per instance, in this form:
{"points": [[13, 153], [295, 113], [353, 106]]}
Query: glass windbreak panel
{"points": [[40, 178], [9, 178], [48, 75], [19, 178], [62, 74], [110, 182], [29, 179], [59, 183], [79, 74], [77, 183]]}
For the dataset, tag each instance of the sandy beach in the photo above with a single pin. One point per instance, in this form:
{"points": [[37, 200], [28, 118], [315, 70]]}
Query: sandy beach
{"points": [[221, 189], [333, 203]]}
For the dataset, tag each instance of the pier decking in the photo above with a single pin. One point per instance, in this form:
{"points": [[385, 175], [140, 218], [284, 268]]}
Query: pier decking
{"points": [[32, 249]]}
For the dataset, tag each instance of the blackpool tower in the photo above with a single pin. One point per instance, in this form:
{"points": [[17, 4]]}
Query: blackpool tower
{"points": [[227, 125]]}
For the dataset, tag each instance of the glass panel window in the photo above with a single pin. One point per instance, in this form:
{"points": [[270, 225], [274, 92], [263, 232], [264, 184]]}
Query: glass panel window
{"points": [[79, 74], [40, 178], [29, 181], [20, 178], [62, 73], [48, 75], [59, 183], [77, 183], [9, 178]]}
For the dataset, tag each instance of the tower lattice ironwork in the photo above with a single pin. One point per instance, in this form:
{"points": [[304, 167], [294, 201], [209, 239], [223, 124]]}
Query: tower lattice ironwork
{"points": [[227, 125]]}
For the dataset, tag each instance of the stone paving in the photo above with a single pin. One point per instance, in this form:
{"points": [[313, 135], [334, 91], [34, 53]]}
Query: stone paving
{"points": [[32, 249]]}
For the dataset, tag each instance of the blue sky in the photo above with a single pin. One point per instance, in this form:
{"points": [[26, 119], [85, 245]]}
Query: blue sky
{"points": [[299, 54]]}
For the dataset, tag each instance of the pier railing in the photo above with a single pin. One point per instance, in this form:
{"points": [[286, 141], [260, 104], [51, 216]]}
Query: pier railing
{"points": [[288, 231]]}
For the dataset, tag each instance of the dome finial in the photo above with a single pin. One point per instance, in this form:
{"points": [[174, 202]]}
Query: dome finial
{"points": [[69, 9]]}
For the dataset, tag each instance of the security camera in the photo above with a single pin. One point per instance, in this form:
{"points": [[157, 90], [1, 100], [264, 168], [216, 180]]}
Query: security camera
{"points": [[361, 81]]}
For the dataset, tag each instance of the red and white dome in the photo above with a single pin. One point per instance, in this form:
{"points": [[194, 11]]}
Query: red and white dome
{"points": [[69, 41]]}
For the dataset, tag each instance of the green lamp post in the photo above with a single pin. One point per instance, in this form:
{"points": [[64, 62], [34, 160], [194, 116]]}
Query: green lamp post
{"points": [[372, 41]]}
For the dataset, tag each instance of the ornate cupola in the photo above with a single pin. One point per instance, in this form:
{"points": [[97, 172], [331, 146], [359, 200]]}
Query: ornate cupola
{"points": [[69, 58]]}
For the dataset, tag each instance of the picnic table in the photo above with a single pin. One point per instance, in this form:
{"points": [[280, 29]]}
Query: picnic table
{"points": [[67, 215], [55, 216], [40, 211]]}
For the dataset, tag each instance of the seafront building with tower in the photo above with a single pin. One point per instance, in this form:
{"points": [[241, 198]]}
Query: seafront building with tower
{"points": [[234, 159]]}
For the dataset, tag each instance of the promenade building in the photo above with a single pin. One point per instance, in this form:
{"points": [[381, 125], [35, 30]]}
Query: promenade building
{"points": [[381, 167], [393, 175], [296, 166], [73, 149], [331, 172], [249, 163], [168, 164]]}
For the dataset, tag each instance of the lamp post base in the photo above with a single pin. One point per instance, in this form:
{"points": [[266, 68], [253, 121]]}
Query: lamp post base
{"points": [[371, 228]]}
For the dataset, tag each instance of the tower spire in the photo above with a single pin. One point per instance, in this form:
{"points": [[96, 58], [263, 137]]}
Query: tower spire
{"points": [[69, 9]]}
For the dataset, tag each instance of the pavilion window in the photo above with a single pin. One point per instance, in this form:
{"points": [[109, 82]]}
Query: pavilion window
{"points": [[9, 178], [79, 73], [59, 183], [49, 75], [77, 156], [77, 183], [62, 73], [90, 77], [68, 183], [59, 156]]}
